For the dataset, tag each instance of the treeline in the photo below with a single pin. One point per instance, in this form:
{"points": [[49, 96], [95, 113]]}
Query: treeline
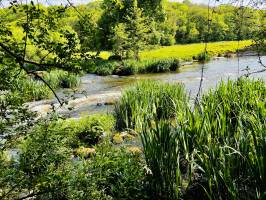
{"points": [[127, 26]]}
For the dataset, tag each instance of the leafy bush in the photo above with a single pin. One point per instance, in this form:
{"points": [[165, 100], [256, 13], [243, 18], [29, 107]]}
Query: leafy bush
{"points": [[87, 130], [163, 66], [168, 40], [40, 169], [106, 68], [203, 57], [124, 70], [112, 174]]}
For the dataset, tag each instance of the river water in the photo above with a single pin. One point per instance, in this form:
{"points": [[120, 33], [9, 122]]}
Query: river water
{"points": [[96, 93]]}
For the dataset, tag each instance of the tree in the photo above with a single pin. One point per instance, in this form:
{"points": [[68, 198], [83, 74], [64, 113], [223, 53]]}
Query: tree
{"points": [[154, 9], [87, 30], [120, 41], [137, 29]]}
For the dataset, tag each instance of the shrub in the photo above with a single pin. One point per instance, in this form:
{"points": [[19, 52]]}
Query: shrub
{"points": [[88, 130], [130, 67], [124, 70], [168, 40], [105, 68], [119, 174], [203, 57], [41, 166], [158, 66]]}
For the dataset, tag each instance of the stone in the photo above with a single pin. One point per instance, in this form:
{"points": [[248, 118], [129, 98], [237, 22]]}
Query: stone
{"points": [[117, 139], [85, 152], [134, 150]]}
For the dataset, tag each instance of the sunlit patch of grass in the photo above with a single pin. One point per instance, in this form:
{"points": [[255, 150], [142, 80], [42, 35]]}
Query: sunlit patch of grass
{"points": [[188, 51]]}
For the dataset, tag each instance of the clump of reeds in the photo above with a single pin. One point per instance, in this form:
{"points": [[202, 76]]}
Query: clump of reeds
{"points": [[217, 150], [146, 98]]}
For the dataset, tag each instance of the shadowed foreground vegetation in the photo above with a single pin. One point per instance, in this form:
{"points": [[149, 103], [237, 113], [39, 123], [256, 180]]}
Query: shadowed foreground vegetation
{"points": [[166, 150]]}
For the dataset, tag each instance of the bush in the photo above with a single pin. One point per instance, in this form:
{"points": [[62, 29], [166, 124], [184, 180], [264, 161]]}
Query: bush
{"points": [[203, 57], [159, 66], [105, 68], [88, 130], [130, 67], [153, 66], [168, 40], [41, 165], [125, 70], [111, 174]]}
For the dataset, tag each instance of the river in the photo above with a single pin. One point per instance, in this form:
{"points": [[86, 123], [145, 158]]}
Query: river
{"points": [[98, 93]]}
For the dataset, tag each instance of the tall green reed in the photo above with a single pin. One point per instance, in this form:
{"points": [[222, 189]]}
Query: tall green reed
{"points": [[146, 98], [218, 147], [161, 152]]}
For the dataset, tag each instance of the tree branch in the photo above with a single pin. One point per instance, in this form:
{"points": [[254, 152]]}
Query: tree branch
{"points": [[21, 62]]}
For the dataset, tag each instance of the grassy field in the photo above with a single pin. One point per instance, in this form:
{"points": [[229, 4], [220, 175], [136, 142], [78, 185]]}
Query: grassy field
{"points": [[187, 51]]}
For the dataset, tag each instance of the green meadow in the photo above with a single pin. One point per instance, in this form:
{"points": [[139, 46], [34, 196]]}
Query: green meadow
{"points": [[188, 51]]}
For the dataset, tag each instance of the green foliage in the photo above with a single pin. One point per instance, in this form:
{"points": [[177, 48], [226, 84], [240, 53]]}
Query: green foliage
{"points": [[215, 150], [212, 152], [87, 31], [105, 68], [137, 29], [48, 170], [203, 57], [120, 41], [39, 168], [229, 121], [87, 131], [163, 66], [146, 98], [61, 79], [162, 156], [111, 174], [130, 67]]}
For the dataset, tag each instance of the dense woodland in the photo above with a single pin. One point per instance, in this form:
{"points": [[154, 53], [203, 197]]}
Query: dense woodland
{"points": [[158, 143], [122, 26]]}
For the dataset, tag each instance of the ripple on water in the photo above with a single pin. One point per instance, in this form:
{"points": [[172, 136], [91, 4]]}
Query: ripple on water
{"points": [[100, 91]]}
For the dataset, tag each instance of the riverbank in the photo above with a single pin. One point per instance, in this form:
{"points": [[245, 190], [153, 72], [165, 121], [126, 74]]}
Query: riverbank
{"points": [[164, 59]]}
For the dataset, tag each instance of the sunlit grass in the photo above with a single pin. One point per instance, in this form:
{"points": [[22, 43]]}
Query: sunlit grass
{"points": [[187, 51]]}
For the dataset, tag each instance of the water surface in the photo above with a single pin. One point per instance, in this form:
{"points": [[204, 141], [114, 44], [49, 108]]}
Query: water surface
{"points": [[97, 92]]}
